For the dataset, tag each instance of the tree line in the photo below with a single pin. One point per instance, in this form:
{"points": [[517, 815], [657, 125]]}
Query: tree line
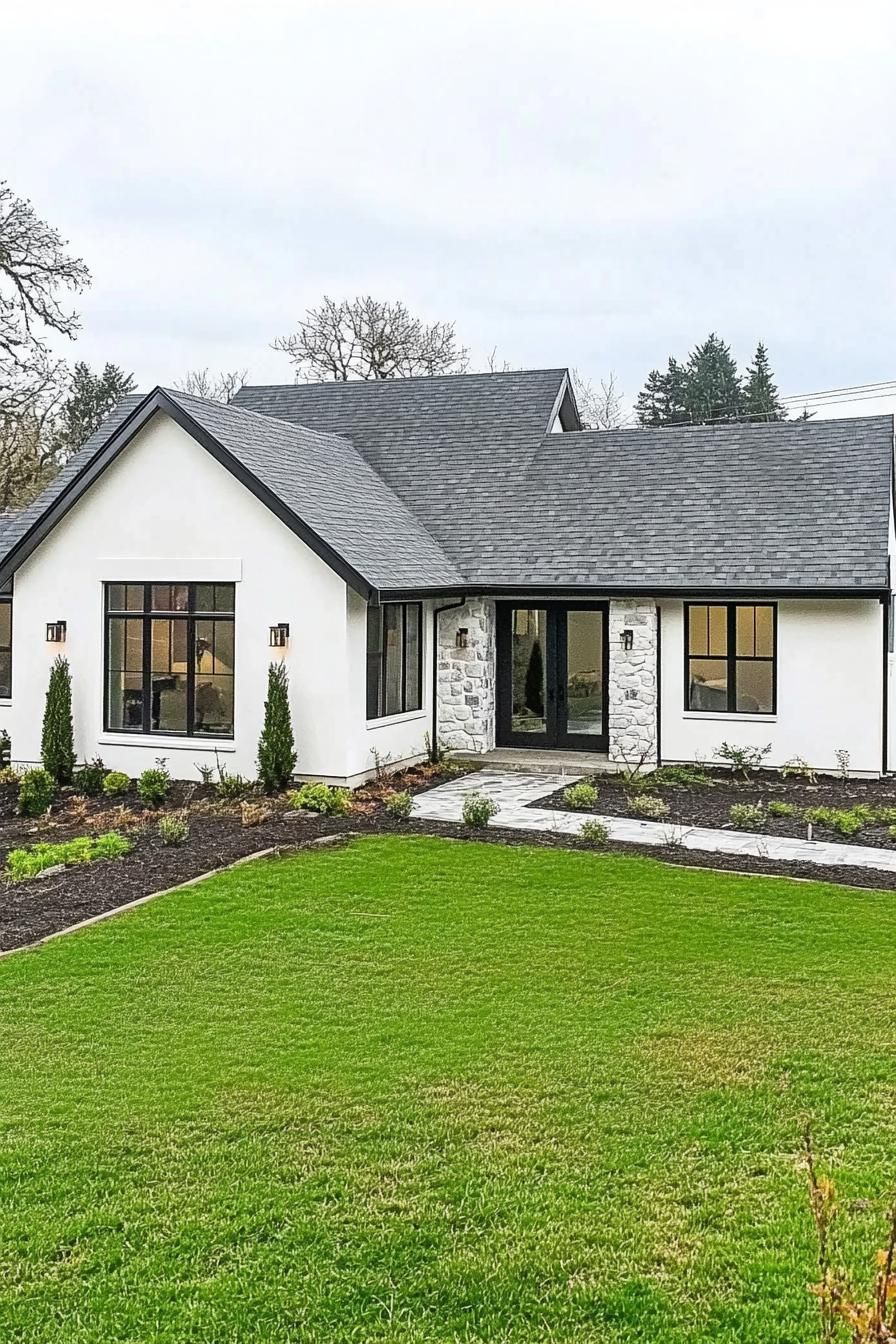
{"points": [[707, 389]]}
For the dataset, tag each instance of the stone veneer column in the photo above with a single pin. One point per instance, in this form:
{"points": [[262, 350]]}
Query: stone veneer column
{"points": [[632, 699], [466, 677]]}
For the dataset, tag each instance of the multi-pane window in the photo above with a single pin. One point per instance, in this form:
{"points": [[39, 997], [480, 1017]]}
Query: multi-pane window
{"points": [[170, 658], [6, 641], [394, 658], [730, 658]]}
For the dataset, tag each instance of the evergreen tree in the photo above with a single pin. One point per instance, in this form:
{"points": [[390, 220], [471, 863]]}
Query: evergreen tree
{"points": [[649, 407], [760, 393], [91, 397], [57, 745], [713, 389], [276, 746]]}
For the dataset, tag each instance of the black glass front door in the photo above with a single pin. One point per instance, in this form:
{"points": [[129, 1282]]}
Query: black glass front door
{"points": [[551, 672]]}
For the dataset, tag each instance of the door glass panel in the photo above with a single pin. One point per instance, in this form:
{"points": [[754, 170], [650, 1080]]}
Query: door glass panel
{"points": [[529, 686], [584, 672]]}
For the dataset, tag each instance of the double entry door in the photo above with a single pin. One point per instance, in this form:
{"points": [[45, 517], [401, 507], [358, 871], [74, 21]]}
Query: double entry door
{"points": [[552, 675]]}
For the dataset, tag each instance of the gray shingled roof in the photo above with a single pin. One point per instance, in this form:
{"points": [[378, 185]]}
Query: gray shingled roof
{"points": [[452, 483], [801, 505]]}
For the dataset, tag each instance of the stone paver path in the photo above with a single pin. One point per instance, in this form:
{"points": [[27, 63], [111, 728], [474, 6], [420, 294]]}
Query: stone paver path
{"points": [[515, 792]]}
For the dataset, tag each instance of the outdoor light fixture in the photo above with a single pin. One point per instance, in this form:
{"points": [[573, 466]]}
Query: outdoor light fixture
{"points": [[627, 639], [280, 635], [462, 638], [56, 632]]}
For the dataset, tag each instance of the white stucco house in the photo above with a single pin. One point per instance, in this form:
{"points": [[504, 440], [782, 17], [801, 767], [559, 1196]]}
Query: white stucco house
{"points": [[453, 556]]}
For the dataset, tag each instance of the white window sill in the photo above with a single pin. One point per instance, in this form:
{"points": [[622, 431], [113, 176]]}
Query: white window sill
{"points": [[163, 744], [723, 717], [410, 717], [6, 704]]}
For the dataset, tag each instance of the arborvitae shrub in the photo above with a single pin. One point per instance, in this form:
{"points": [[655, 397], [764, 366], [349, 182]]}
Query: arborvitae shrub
{"points": [[276, 746], [57, 746]]}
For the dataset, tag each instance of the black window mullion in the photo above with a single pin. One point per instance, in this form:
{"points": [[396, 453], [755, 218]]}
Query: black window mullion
{"points": [[191, 657], [731, 656], [384, 663], [147, 658], [403, 646]]}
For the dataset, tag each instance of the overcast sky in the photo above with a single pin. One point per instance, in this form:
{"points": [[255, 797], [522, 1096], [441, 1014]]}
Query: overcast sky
{"points": [[595, 185]]}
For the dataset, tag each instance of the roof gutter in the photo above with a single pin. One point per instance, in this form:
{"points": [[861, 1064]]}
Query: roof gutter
{"points": [[574, 593]]}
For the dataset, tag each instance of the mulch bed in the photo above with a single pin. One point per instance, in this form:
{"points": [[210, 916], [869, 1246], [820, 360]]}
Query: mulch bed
{"points": [[33, 909], [709, 805]]}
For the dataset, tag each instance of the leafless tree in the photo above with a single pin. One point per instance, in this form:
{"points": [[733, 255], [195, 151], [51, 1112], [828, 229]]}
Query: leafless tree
{"points": [[34, 269], [369, 338], [600, 407], [29, 451], [221, 387]]}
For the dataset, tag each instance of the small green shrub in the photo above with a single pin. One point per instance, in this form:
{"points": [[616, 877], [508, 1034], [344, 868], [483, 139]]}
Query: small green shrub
{"points": [[173, 829], [648, 805], [449, 769], [232, 788], [595, 833], [37, 789], [116, 783], [884, 816], [797, 768], [478, 810], [89, 778], [9, 775], [747, 816], [680, 776], [843, 820], [154, 785], [399, 804], [891, 832], [321, 798], [744, 760], [34, 859], [581, 797], [776, 808]]}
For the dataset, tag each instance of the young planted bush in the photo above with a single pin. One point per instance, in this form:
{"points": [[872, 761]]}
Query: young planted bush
{"points": [[844, 820], [115, 783], [232, 788], [648, 805], [90, 777], [321, 798], [173, 829], [276, 746], [743, 760], [399, 804], [680, 776], [747, 816], [580, 797], [37, 789], [154, 785], [34, 859], [57, 744], [594, 833], [777, 808], [478, 810]]}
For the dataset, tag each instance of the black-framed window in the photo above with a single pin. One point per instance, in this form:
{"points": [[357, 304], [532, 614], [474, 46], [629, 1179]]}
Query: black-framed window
{"points": [[6, 641], [394, 659], [731, 657], [169, 658]]}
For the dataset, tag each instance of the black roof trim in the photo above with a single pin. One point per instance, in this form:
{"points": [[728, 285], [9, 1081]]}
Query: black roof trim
{"points": [[571, 593], [153, 403]]}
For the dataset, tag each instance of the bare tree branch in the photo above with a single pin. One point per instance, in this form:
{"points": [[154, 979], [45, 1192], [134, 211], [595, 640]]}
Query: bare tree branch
{"points": [[221, 387], [601, 407]]}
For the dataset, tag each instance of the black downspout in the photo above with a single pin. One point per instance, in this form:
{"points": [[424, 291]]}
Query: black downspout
{"points": [[436, 613], [885, 703], [659, 685]]}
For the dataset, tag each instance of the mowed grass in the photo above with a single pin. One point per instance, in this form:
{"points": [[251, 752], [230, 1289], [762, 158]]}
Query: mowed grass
{"points": [[420, 1090]]}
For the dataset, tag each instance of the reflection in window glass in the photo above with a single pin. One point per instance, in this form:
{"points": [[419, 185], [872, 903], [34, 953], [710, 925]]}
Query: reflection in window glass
{"points": [[733, 674], [394, 654]]}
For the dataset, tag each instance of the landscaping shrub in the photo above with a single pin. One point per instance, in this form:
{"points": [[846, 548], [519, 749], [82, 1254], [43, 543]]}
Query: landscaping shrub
{"points": [[34, 859], [581, 796], [37, 789], [777, 808], [115, 783], [885, 815], [681, 776], [276, 746], [595, 833], [399, 804], [747, 816], [90, 777], [231, 788], [57, 744], [154, 785], [843, 820], [321, 798], [743, 760], [648, 805], [797, 768], [479, 810], [173, 829], [9, 775]]}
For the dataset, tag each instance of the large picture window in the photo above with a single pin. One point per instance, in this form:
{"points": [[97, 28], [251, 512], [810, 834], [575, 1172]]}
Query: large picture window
{"points": [[731, 658], [394, 658], [6, 642], [170, 658]]}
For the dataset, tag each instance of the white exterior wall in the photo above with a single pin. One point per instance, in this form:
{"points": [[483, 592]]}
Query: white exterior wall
{"points": [[167, 511], [830, 672]]}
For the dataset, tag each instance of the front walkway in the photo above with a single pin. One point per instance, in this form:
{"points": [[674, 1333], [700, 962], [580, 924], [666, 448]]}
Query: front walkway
{"points": [[514, 791]]}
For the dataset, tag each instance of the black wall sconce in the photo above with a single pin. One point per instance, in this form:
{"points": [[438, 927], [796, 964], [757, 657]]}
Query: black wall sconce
{"points": [[462, 638], [627, 640], [55, 632], [280, 635]]}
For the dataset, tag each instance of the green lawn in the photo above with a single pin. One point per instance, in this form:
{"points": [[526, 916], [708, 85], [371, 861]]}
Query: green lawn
{"points": [[422, 1090]]}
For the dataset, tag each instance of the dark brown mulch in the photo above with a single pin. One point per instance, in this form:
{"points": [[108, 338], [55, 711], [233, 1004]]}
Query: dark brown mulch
{"points": [[709, 805]]}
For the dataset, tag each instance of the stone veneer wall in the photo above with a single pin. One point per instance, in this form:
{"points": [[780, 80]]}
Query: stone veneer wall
{"points": [[632, 686], [466, 677]]}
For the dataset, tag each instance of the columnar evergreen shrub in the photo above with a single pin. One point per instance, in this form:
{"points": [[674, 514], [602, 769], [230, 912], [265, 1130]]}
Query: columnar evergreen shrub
{"points": [[276, 746], [57, 746]]}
